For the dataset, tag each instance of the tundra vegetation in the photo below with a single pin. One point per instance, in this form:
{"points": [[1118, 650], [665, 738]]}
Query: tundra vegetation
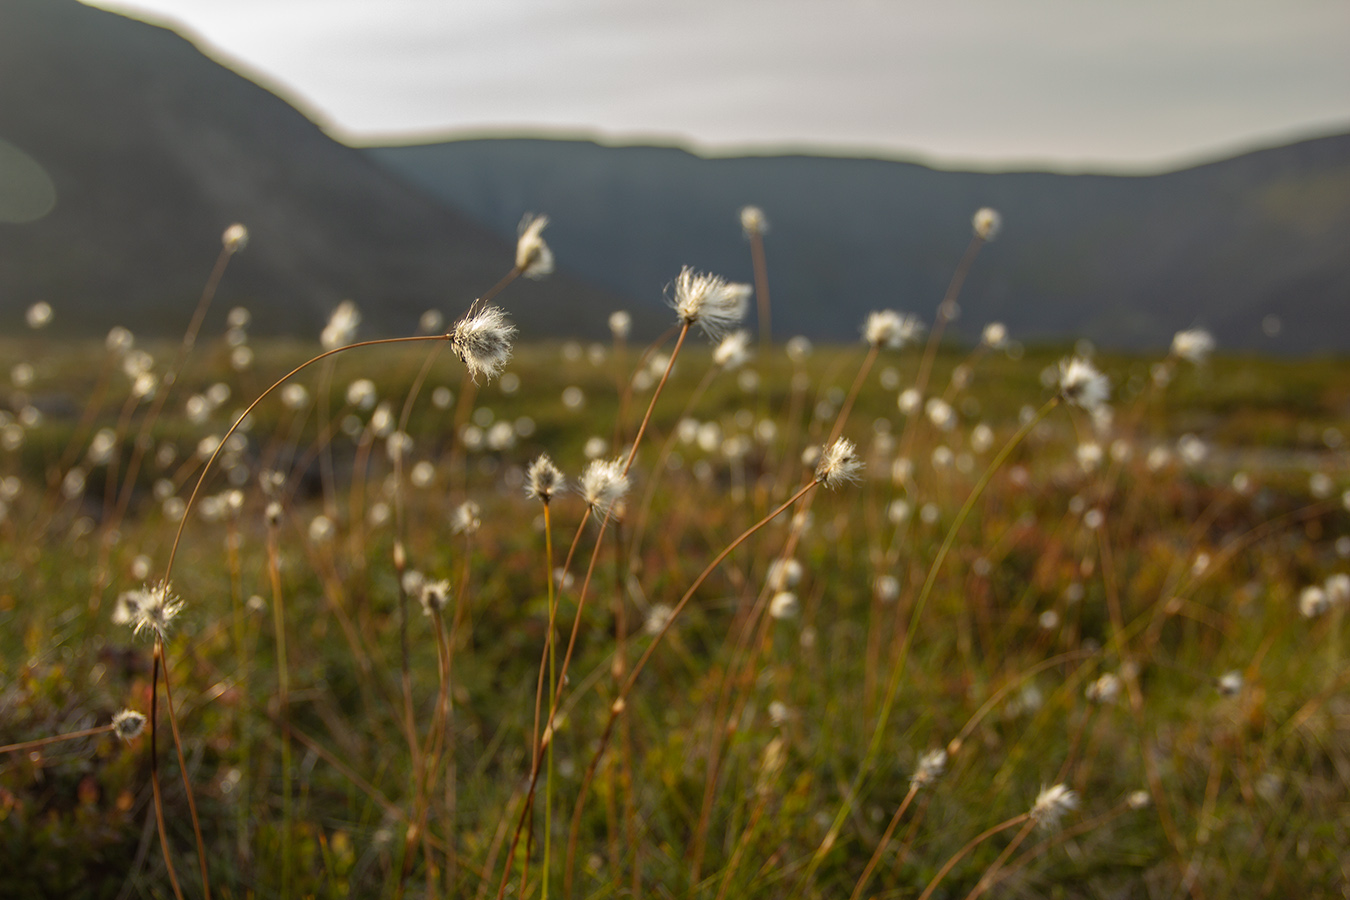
{"points": [[688, 617]]}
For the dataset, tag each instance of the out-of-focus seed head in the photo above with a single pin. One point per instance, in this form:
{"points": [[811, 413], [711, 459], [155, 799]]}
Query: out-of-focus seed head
{"points": [[1105, 689], [753, 221], [1312, 602], [603, 485], [733, 351], [987, 223], [1082, 385], [1194, 345], [543, 479], [888, 328], [710, 302], [995, 335], [431, 322], [1052, 804], [533, 257], [434, 595], [341, 328], [483, 341], [128, 724], [784, 605], [839, 463], [39, 315], [620, 324], [467, 518], [930, 768], [119, 341], [1230, 683], [235, 238]]}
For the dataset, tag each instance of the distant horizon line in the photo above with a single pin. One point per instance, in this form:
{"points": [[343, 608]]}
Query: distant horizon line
{"points": [[767, 150]]}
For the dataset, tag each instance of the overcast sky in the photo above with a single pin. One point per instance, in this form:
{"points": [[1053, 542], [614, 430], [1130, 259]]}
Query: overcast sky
{"points": [[1136, 84]]}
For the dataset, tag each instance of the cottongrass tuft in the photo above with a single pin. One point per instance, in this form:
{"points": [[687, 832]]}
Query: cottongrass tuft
{"points": [[620, 324], [1194, 345], [784, 605], [39, 315], [734, 351], [710, 302], [995, 335], [467, 518], [888, 328], [1312, 602], [838, 464], [603, 485], [930, 768], [1105, 689], [1052, 804], [534, 259], [155, 609], [1082, 385], [235, 238], [434, 596], [543, 479], [987, 223], [128, 724], [752, 221], [483, 341], [1230, 683], [341, 328]]}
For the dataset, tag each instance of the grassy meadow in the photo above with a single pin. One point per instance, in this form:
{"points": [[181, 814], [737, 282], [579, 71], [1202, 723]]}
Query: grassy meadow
{"points": [[1030, 649]]}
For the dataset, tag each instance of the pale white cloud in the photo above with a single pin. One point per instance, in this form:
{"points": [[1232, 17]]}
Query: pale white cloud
{"points": [[1142, 84]]}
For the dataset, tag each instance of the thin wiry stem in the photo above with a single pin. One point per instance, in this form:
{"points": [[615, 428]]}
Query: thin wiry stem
{"points": [[897, 674], [971, 845], [154, 774], [206, 469], [182, 768], [885, 842], [56, 739], [620, 702]]}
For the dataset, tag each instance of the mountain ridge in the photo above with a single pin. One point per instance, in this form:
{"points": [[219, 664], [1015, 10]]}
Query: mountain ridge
{"points": [[1123, 259], [154, 149]]}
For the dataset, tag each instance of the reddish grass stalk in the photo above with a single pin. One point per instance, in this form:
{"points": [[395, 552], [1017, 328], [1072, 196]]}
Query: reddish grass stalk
{"points": [[620, 702], [971, 845]]}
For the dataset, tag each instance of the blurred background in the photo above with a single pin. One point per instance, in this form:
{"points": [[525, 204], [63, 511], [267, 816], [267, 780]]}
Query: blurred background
{"points": [[1158, 166]]}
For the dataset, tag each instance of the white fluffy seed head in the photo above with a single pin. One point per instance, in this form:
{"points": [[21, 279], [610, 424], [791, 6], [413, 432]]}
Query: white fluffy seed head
{"points": [[1052, 804], [467, 518], [930, 768], [543, 479], [341, 327], [533, 257], [434, 595], [753, 221], [128, 724], [888, 328], [603, 485], [986, 223], [710, 302], [235, 238], [995, 335], [39, 315], [733, 351], [1194, 345], [838, 464], [1082, 385], [155, 609], [620, 324], [1312, 602], [483, 341]]}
